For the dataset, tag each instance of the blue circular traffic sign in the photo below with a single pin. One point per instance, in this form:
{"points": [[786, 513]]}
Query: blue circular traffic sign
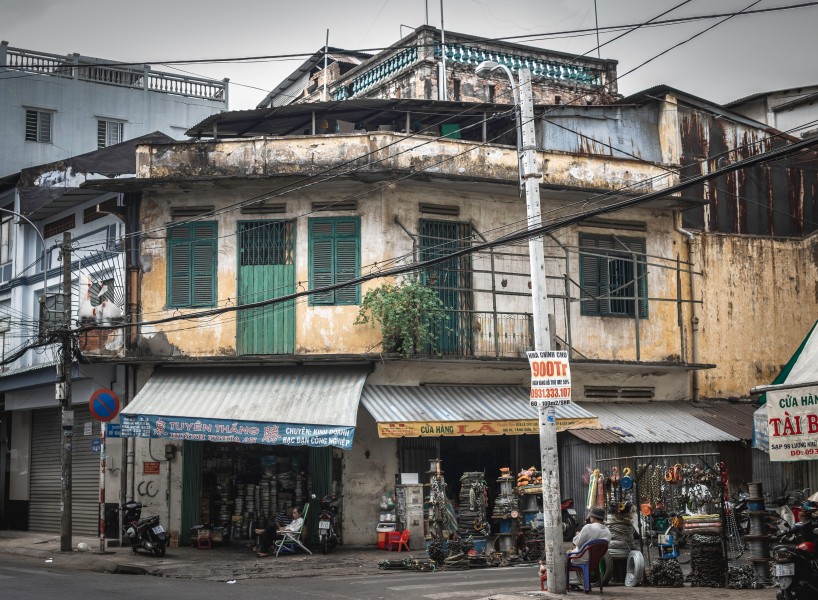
{"points": [[104, 405]]}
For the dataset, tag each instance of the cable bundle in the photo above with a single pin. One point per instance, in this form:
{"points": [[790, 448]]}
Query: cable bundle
{"points": [[707, 561], [667, 573], [744, 578]]}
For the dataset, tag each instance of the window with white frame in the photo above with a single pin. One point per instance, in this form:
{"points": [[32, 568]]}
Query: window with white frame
{"points": [[51, 312], [109, 132], [38, 126], [5, 240]]}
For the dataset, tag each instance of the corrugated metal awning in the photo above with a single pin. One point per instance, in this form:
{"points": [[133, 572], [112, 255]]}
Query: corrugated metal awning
{"points": [[411, 411], [654, 422], [295, 407]]}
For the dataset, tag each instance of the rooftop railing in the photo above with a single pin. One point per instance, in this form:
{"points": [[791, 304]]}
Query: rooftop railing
{"points": [[95, 70]]}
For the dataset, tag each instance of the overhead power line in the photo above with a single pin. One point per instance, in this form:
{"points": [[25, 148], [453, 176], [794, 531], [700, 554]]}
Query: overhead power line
{"points": [[771, 155], [515, 38]]}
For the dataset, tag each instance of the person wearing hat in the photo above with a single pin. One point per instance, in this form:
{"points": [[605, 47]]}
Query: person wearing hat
{"points": [[594, 530]]}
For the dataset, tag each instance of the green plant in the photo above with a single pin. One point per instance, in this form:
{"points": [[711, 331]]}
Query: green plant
{"points": [[407, 313]]}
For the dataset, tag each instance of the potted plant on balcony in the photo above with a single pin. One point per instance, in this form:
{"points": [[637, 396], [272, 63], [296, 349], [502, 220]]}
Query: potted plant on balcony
{"points": [[407, 313]]}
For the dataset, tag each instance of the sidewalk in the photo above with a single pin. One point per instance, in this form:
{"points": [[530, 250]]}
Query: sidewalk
{"points": [[221, 563], [238, 562]]}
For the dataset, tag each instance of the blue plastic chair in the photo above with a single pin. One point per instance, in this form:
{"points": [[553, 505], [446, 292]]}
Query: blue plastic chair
{"points": [[595, 549]]}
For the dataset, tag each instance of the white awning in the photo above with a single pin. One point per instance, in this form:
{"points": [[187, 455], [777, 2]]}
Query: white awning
{"points": [[296, 407], [419, 411]]}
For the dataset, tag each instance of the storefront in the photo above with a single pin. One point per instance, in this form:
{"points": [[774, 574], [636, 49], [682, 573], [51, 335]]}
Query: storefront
{"points": [[470, 429], [786, 426], [254, 441], [34, 450]]}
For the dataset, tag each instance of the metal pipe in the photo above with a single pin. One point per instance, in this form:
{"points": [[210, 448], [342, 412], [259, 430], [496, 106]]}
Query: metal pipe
{"points": [[636, 303], [411, 236], [694, 319], [326, 51], [443, 94]]}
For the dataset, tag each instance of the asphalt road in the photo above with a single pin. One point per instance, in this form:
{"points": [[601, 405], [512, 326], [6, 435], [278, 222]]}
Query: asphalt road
{"points": [[25, 578]]}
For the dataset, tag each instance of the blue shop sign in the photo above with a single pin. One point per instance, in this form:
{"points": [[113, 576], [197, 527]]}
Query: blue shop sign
{"points": [[242, 432]]}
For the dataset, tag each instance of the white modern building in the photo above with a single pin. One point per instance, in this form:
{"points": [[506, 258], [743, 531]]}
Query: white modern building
{"points": [[56, 106]]}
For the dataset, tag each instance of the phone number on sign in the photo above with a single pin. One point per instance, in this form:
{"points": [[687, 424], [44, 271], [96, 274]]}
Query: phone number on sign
{"points": [[805, 452], [546, 393]]}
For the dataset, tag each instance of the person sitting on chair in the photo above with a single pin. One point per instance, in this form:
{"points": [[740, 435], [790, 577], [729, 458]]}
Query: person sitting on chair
{"points": [[271, 533], [284, 518], [594, 530]]}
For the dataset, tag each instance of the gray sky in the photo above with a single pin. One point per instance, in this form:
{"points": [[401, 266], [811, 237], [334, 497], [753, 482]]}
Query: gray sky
{"points": [[742, 56]]}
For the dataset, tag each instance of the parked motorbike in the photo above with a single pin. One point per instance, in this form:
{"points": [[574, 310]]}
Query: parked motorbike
{"points": [[328, 523], [569, 520], [142, 534], [796, 570]]}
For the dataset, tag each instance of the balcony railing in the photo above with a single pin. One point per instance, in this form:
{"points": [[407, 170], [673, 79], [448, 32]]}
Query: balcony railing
{"points": [[94, 70], [484, 334]]}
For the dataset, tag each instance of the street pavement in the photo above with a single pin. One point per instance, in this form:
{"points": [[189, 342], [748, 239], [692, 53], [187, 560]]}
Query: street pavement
{"points": [[346, 572]]}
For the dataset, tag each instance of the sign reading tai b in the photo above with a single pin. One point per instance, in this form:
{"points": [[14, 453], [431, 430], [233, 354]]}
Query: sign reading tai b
{"points": [[550, 377]]}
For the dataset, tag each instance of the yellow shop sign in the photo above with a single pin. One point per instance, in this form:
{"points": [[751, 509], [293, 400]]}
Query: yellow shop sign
{"points": [[449, 428]]}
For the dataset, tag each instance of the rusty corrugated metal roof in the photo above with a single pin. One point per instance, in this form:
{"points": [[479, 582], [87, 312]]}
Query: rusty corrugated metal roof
{"points": [[735, 418], [599, 436], [657, 422]]}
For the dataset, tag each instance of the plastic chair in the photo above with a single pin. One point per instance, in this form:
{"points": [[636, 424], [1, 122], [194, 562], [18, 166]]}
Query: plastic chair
{"points": [[401, 539], [595, 549], [292, 539]]}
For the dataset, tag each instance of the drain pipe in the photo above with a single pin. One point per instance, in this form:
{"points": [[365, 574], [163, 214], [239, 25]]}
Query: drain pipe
{"points": [[694, 319]]}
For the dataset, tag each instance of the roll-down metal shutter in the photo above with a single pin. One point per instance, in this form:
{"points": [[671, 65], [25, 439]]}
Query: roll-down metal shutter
{"points": [[44, 491]]}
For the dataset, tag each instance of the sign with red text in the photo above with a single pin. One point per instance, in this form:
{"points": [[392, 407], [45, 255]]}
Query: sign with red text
{"points": [[792, 423], [550, 377]]}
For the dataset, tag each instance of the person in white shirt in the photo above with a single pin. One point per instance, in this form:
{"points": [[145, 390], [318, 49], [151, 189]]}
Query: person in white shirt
{"points": [[594, 530], [271, 533]]}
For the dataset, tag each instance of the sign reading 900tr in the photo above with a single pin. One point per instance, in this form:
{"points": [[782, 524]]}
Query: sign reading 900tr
{"points": [[550, 377]]}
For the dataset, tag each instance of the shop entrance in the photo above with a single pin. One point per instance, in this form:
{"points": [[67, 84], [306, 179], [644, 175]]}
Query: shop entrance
{"points": [[462, 454], [241, 487]]}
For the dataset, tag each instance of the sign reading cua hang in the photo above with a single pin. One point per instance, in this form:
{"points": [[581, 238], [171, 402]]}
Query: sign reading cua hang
{"points": [[792, 419], [550, 377]]}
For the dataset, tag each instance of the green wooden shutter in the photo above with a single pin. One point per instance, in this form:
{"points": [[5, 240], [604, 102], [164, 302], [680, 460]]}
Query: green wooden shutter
{"points": [[192, 265], [203, 288], [596, 271], [334, 258], [179, 269], [347, 260]]}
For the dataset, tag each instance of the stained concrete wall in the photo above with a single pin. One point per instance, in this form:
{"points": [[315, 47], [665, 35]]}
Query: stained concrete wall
{"points": [[369, 469], [331, 329], [760, 299]]}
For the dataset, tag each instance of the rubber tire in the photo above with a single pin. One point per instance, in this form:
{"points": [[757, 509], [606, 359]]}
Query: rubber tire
{"points": [[324, 545], [569, 528], [606, 570], [160, 550]]}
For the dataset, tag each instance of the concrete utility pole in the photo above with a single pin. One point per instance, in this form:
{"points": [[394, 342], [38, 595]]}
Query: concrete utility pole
{"points": [[64, 398], [549, 458]]}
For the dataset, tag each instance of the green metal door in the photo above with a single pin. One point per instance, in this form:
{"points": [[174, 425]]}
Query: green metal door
{"points": [[266, 271], [452, 280]]}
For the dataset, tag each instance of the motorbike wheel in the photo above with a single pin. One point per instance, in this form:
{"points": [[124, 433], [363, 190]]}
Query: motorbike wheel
{"points": [[324, 545], [569, 528], [159, 550]]}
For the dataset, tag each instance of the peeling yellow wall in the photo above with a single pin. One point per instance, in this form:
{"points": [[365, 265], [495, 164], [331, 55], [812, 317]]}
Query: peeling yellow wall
{"points": [[330, 329], [760, 298]]}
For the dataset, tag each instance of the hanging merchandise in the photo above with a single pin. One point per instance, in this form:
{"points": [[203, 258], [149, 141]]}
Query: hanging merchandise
{"points": [[626, 482], [592, 489]]}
